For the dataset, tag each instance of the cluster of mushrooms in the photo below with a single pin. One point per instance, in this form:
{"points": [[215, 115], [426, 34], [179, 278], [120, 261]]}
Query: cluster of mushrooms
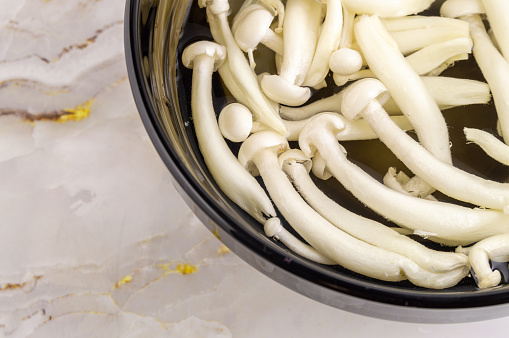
{"points": [[389, 61]]}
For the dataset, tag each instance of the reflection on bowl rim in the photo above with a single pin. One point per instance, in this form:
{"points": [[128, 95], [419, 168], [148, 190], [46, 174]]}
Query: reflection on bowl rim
{"points": [[309, 279]]}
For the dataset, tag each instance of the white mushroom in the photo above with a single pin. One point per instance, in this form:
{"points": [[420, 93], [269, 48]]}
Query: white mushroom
{"points": [[448, 92], [345, 60], [399, 181], [274, 228], [236, 72], [300, 35], [495, 148], [354, 130], [406, 88], [404, 85], [259, 154], [495, 248], [254, 28], [413, 22], [204, 57], [236, 122], [492, 64], [296, 165], [328, 41], [497, 12], [433, 56], [432, 59], [451, 224], [361, 99], [387, 8]]}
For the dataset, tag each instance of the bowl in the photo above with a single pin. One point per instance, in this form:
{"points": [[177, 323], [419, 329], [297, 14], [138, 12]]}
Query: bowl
{"points": [[155, 34]]}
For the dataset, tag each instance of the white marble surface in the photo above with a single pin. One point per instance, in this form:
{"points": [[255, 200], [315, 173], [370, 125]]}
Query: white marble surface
{"points": [[94, 239]]}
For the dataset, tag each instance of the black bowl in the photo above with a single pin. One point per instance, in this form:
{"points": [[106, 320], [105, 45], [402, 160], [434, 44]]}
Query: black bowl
{"points": [[155, 34]]}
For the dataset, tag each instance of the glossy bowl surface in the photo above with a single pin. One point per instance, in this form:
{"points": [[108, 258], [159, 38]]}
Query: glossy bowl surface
{"points": [[155, 34]]}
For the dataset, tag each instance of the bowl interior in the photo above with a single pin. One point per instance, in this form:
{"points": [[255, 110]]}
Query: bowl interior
{"points": [[156, 34]]}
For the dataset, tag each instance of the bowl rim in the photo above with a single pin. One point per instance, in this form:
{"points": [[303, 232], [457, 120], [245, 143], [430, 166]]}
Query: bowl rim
{"points": [[243, 243]]}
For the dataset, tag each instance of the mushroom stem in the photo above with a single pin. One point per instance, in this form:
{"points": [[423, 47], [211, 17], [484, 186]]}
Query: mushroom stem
{"points": [[227, 172], [495, 148], [252, 27], [328, 41], [494, 68], [385, 8], [431, 59], [354, 130], [448, 92], [273, 228], [347, 31], [495, 248], [365, 229], [445, 177], [434, 55], [300, 35], [409, 23], [498, 12], [456, 224], [405, 86], [344, 249]]}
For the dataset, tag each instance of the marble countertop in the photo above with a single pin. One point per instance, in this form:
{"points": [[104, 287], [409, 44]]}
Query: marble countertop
{"points": [[94, 239]]}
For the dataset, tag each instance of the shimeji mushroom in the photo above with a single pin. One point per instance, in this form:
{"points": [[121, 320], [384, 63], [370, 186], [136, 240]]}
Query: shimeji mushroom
{"points": [[448, 92], [300, 35], [492, 64], [399, 181], [497, 12], [420, 33], [495, 148], [412, 40], [328, 42], [404, 84], [236, 122], [361, 99], [204, 57], [387, 8], [353, 131], [274, 228], [406, 88], [345, 61], [236, 72], [495, 248], [296, 165], [432, 59], [443, 222], [254, 28], [259, 154]]}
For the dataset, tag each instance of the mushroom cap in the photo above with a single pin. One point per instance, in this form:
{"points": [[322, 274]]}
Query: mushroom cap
{"points": [[457, 8], [235, 122], [345, 61], [209, 48], [319, 127], [263, 140], [282, 91], [361, 93], [295, 155], [250, 31], [215, 6], [272, 227]]}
